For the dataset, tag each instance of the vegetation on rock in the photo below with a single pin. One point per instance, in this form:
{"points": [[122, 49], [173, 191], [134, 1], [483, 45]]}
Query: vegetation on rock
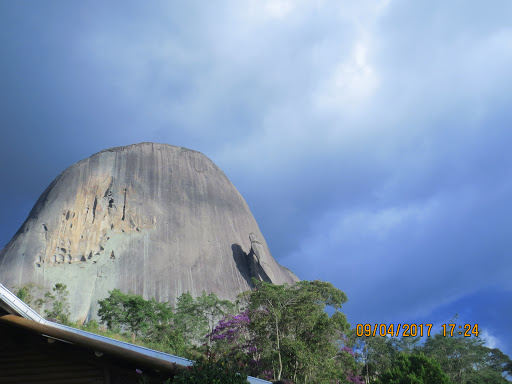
{"points": [[54, 304]]}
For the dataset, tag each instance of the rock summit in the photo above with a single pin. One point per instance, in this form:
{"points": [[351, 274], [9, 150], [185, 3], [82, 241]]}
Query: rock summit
{"points": [[153, 219]]}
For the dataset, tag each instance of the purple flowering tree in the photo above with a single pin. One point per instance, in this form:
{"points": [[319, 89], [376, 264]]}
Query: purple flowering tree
{"points": [[285, 332], [232, 338]]}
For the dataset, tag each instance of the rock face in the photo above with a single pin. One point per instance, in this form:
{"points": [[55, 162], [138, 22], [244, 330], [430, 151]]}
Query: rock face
{"points": [[153, 219]]}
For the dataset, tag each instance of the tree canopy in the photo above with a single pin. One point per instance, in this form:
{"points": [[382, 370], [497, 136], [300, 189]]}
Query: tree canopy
{"points": [[414, 369], [291, 327]]}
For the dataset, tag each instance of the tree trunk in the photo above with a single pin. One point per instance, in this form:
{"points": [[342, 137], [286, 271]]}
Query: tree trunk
{"points": [[280, 371]]}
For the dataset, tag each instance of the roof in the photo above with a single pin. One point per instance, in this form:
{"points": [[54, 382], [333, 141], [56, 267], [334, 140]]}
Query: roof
{"points": [[21, 315]]}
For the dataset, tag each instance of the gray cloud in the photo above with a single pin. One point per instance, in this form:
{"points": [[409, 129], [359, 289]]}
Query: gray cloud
{"points": [[370, 139]]}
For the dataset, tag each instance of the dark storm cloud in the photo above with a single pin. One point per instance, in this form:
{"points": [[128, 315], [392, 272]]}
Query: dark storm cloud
{"points": [[370, 139]]}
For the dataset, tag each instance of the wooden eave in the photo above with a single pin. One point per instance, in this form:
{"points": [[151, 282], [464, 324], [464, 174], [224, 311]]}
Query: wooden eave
{"points": [[94, 344]]}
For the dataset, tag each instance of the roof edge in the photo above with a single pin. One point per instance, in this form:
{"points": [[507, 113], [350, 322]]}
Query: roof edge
{"points": [[10, 302]]}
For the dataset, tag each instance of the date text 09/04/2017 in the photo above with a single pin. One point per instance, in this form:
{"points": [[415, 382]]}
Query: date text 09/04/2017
{"points": [[413, 330]]}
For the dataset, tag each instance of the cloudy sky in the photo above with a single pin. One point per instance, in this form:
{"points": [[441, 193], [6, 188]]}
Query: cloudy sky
{"points": [[371, 139]]}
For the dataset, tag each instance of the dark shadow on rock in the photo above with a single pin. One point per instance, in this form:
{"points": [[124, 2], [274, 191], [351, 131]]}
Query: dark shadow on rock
{"points": [[240, 258], [248, 265], [256, 269]]}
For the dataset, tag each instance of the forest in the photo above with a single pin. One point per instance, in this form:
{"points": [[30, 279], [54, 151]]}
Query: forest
{"points": [[296, 332]]}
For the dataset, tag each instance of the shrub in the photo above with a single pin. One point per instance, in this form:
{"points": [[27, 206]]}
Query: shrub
{"points": [[209, 372]]}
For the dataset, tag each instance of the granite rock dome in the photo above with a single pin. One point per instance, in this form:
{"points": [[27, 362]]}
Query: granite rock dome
{"points": [[154, 219]]}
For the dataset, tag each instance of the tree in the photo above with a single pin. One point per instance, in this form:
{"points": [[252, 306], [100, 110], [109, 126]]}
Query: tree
{"points": [[187, 319], [408, 344], [376, 354], [466, 360], [196, 317], [132, 312], [232, 338], [60, 305], [212, 309], [414, 369], [347, 359], [290, 324]]}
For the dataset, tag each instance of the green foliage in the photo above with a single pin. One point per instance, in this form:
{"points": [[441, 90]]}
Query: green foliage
{"points": [[60, 304], [206, 371], [187, 320], [466, 360], [31, 294], [414, 369], [57, 299], [408, 345], [132, 312], [25, 293], [197, 317], [91, 326], [376, 355], [158, 325], [168, 336], [296, 336], [159, 345]]}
